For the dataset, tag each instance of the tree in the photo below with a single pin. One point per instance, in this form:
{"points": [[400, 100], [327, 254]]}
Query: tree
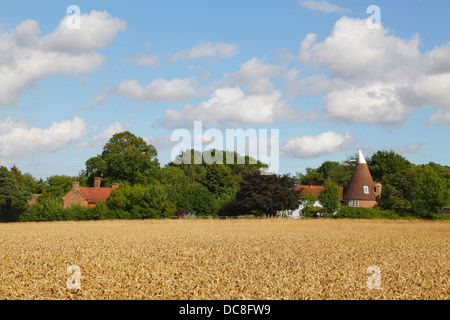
{"points": [[175, 181], [218, 177], [329, 197], [125, 158], [265, 194], [383, 162], [11, 194], [141, 202], [419, 190], [59, 185], [197, 199], [340, 173], [307, 199]]}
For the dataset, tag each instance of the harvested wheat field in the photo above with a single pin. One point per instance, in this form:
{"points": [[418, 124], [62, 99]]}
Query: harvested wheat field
{"points": [[225, 259]]}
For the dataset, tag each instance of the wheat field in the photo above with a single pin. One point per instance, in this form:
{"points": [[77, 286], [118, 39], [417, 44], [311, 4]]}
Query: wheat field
{"points": [[268, 259]]}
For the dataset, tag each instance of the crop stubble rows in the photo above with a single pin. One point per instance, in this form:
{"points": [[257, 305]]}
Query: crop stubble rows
{"points": [[225, 259]]}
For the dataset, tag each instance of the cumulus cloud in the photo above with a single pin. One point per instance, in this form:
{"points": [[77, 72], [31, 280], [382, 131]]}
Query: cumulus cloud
{"points": [[144, 59], [373, 76], [97, 29], [18, 139], [410, 148], [231, 106], [323, 6], [256, 75], [161, 142], [26, 56], [158, 90], [99, 140], [314, 146], [207, 50], [441, 117]]}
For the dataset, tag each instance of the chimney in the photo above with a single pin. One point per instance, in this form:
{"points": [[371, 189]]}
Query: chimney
{"points": [[378, 190], [115, 185], [97, 182], [75, 185]]}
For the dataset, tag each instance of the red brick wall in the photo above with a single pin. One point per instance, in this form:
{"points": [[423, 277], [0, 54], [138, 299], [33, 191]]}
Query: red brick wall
{"points": [[73, 197]]}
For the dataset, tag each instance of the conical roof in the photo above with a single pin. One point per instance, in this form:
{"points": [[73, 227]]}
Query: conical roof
{"points": [[361, 186]]}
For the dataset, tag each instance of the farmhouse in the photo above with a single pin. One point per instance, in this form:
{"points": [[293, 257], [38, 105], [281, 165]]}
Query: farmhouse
{"points": [[88, 197], [314, 190], [360, 192]]}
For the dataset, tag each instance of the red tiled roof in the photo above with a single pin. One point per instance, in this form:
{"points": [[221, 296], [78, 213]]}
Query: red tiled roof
{"points": [[94, 195], [315, 190], [33, 199], [361, 177]]}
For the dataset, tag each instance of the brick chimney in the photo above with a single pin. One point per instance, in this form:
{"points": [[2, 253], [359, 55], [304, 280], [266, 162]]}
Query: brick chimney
{"points": [[97, 182], [75, 185], [378, 190], [115, 185]]}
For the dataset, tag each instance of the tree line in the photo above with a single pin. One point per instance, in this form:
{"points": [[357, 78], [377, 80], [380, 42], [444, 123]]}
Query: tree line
{"points": [[197, 187]]}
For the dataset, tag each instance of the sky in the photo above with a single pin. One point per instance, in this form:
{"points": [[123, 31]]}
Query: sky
{"points": [[324, 78]]}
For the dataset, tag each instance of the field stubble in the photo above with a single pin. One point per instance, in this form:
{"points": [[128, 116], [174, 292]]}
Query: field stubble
{"points": [[225, 259]]}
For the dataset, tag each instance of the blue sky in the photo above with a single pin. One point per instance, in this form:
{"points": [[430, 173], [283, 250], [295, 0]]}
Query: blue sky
{"points": [[311, 69]]}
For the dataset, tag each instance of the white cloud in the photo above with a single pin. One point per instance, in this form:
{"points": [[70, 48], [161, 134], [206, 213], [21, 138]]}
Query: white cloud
{"points": [[231, 106], [18, 139], [374, 76], [410, 148], [144, 59], [314, 146], [26, 56], [323, 6], [97, 29], [371, 103], [99, 100], [207, 50], [158, 90], [99, 140], [161, 142], [256, 75], [441, 117]]}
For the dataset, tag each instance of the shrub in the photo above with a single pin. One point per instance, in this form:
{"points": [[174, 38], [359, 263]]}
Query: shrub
{"points": [[196, 198], [141, 202], [369, 213], [47, 208]]}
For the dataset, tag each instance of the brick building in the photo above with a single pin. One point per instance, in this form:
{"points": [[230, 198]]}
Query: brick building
{"points": [[361, 191], [88, 197]]}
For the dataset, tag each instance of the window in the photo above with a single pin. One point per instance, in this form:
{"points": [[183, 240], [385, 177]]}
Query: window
{"points": [[366, 189], [353, 203]]}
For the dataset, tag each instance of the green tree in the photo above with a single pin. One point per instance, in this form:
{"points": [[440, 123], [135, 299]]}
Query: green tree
{"points": [[175, 181], [307, 199], [218, 177], [419, 190], [141, 202], [59, 185], [383, 162], [329, 197], [13, 196], [197, 199], [125, 158]]}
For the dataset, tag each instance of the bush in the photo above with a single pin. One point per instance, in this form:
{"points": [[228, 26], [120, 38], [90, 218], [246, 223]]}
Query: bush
{"points": [[141, 202], [47, 208], [312, 212], [197, 198]]}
